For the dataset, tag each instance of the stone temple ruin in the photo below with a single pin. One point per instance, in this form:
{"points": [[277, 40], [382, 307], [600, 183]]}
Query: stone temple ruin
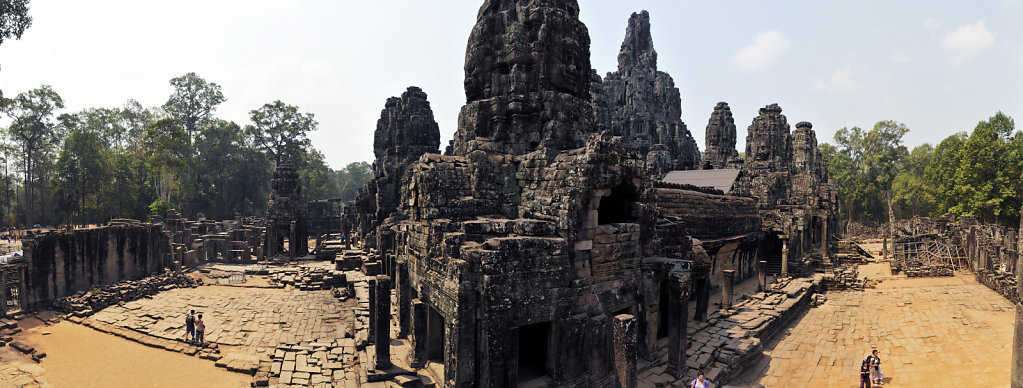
{"points": [[571, 234], [546, 246]]}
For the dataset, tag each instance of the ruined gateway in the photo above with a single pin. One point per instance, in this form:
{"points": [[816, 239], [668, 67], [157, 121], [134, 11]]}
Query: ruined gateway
{"points": [[546, 243]]}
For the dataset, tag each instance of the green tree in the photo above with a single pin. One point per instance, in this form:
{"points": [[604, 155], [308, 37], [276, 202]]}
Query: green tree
{"points": [[280, 130], [82, 170], [193, 101], [352, 177], [912, 193], [865, 164], [32, 129], [166, 143], [318, 180], [982, 186], [14, 19]]}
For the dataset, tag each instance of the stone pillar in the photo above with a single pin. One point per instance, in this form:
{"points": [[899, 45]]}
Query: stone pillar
{"points": [[726, 288], [785, 258], [417, 357], [3, 293], [371, 333], [824, 240], [678, 317], [1017, 336], [404, 290], [22, 289], [625, 350], [762, 275], [383, 323], [702, 299], [884, 248]]}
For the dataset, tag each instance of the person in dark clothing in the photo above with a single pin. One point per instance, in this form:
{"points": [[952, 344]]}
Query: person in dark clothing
{"points": [[190, 326], [865, 374]]}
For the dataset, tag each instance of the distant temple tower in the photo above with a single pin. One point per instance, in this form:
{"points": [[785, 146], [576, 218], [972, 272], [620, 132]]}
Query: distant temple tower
{"points": [[286, 214]]}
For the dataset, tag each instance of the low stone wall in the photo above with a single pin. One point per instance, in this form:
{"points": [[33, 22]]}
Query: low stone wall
{"points": [[85, 303], [1001, 282]]}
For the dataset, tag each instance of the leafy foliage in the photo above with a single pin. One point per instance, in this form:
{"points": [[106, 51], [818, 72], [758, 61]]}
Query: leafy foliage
{"points": [[14, 19], [979, 173], [133, 161]]}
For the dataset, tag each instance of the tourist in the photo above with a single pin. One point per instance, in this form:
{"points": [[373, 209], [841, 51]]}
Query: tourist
{"points": [[700, 382], [190, 326], [865, 374], [875, 368], [200, 329]]}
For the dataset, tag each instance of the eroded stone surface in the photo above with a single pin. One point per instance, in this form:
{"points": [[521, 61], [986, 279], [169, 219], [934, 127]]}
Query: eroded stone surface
{"points": [[252, 321]]}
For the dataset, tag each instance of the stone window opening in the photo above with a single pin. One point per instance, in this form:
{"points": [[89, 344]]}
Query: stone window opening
{"points": [[621, 206], [534, 351]]}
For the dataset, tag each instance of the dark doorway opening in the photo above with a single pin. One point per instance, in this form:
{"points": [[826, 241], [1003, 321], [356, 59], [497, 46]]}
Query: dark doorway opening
{"points": [[434, 336], [534, 341], [662, 312], [772, 254], [618, 207]]}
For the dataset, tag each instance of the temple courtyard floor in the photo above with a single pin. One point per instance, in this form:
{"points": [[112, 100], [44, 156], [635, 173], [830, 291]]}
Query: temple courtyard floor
{"points": [[930, 332]]}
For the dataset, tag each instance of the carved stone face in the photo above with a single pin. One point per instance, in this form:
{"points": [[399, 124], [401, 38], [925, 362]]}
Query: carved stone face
{"points": [[763, 153]]}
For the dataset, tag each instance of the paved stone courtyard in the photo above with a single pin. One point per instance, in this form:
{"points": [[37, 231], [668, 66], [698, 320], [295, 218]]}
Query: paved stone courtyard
{"points": [[930, 332], [251, 321]]}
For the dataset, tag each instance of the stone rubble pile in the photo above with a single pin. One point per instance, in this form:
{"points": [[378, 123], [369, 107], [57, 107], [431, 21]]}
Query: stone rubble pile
{"points": [[309, 278], [844, 278], [311, 363], [84, 303]]}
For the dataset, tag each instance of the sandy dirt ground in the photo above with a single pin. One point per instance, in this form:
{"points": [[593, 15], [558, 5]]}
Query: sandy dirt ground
{"points": [[930, 332], [77, 356]]}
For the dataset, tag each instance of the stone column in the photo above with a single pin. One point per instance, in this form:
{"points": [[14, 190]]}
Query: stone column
{"points": [[625, 350], [371, 333], [762, 275], [785, 258], [884, 248], [824, 240], [22, 289], [726, 288], [702, 299], [404, 290], [1017, 336], [3, 293], [383, 323], [678, 317], [417, 357]]}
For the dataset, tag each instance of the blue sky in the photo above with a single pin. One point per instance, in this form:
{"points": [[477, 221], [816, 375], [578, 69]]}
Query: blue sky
{"points": [[937, 66]]}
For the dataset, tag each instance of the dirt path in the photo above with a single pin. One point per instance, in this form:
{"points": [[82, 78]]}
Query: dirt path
{"points": [[931, 332], [77, 356]]}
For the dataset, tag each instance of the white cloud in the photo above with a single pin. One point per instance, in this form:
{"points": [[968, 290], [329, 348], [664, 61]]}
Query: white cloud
{"points": [[765, 50], [898, 57], [967, 41], [931, 22], [841, 82]]}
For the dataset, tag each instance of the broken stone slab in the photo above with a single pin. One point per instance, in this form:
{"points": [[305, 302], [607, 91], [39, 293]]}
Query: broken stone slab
{"points": [[22, 347]]}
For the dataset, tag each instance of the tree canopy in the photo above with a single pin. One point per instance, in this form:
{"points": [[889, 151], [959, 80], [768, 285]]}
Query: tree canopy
{"points": [[132, 161], [14, 19], [978, 173]]}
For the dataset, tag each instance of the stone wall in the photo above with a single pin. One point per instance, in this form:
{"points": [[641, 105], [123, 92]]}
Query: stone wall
{"points": [[63, 263]]}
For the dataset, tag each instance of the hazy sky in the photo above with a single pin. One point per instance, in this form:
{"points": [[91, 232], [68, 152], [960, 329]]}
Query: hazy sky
{"points": [[938, 66]]}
